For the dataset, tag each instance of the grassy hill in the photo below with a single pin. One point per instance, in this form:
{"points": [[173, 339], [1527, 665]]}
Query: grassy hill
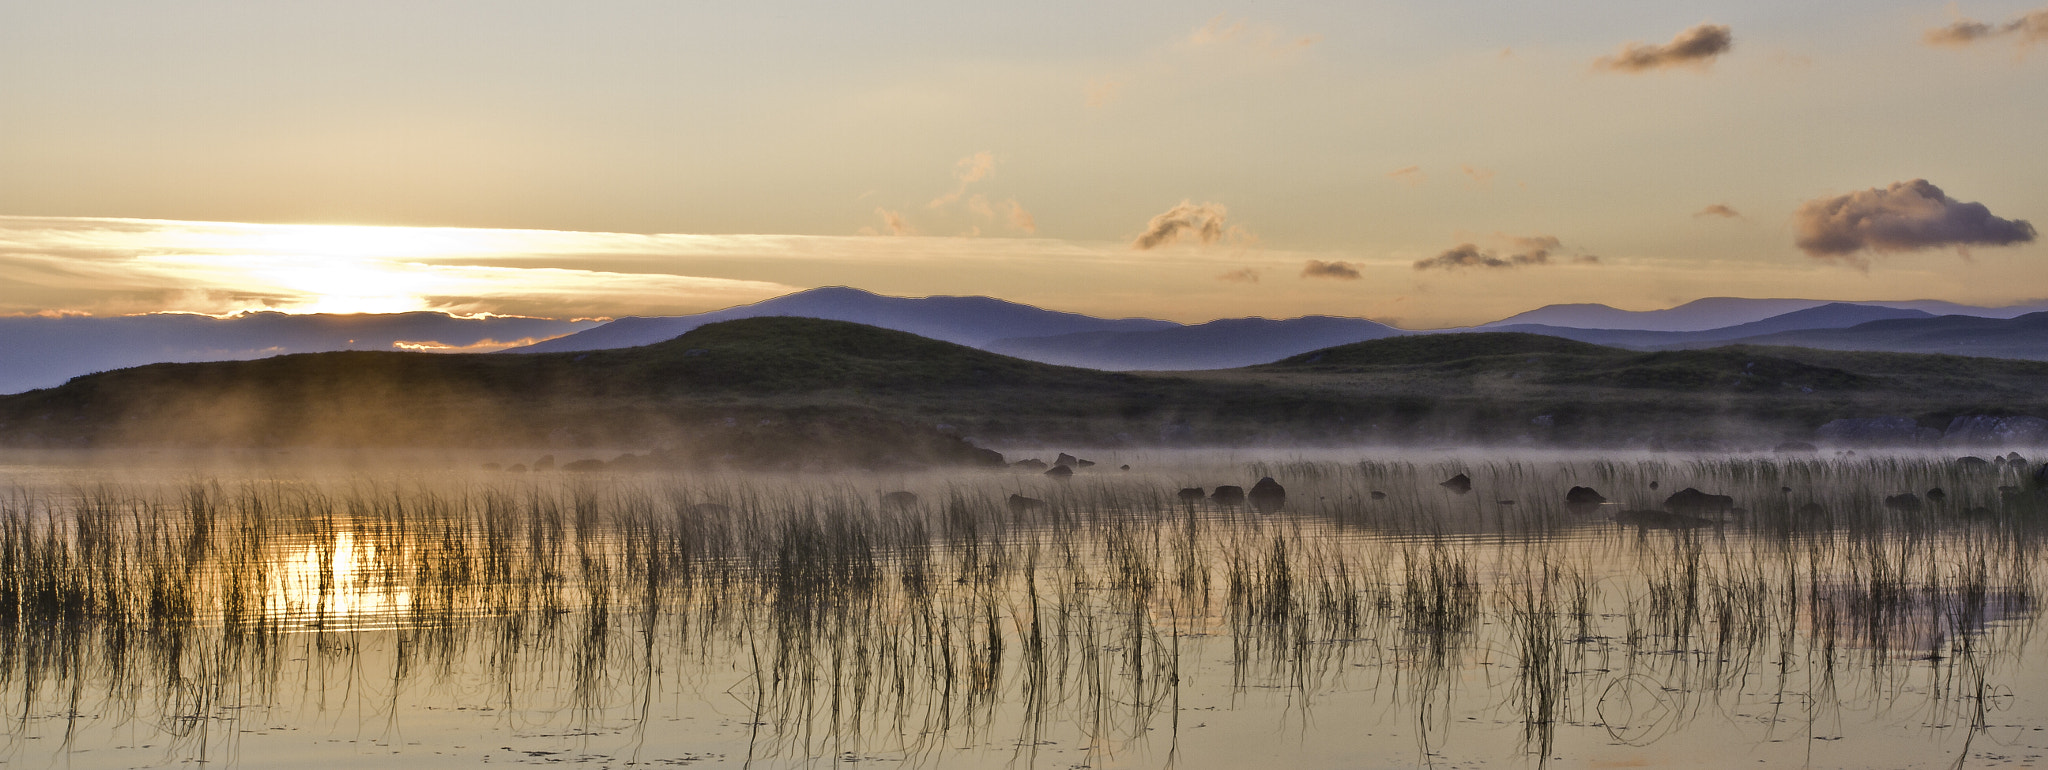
{"points": [[783, 392]]}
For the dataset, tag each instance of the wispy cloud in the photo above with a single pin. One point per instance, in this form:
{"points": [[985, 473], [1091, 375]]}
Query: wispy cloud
{"points": [[1222, 33], [966, 171], [1904, 216], [1721, 210], [1337, 269], [1480, 176], [1204, 222], [2024, 30], [1241, 275], [1696, 47], [1412, 176], [893, 223], [1516, 251]]}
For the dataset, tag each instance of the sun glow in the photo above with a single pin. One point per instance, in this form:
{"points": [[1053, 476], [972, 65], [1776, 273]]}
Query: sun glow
{"points": [[334, 585]]}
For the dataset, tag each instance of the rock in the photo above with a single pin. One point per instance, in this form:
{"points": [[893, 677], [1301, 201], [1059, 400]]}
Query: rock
{"points": [[1033, 464], [1125, 468], [1695, 502], [1193, 494], [984, 458], [1268, 496], [1974, 462], [516, 468], [1067, 459], [1228, 496], [899, 499], [2014, 458], [1981, 430], [1937, 495], [1061, 472], [1653, 485], [1378, 495], [1022, 504], [1583, 495], [1460, 483], [1795, 447], [1661, 520], [1084, 463], [1876, 431], [1908, 502]]}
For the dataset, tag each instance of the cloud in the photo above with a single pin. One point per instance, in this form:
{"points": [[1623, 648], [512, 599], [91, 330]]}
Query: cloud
{"points": [[1241, 35], [1718, 210], [1696, 47], [1480, 176], [1241, 275], [1413, 176], [895, 222], [2026, 30], [1522, 251], [1201, 221], [1906, 216], [1337, 269], [1019, 218], [966, 171]]}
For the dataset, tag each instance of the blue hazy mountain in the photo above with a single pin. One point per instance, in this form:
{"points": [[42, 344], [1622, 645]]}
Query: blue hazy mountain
{"points": [[1223, 344], [41, 352], [972, 321], [1723, 312], [2024, 337], [1836, 315]]}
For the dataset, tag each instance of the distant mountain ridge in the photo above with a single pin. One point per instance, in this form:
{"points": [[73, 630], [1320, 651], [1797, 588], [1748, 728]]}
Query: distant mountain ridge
{"points": [[1723, 312], [1223, 344], [42, 352], [971, 321]]}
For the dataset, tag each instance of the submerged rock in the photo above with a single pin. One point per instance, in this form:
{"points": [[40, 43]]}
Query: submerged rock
{"points": [[1583, 499], [1022, 504], [1268, 496], [1937, 495], [1693, 501], [1460, 483], [1228, 495], [1378, 495], [1908, 502], [1060, 471], [1193, 494]]}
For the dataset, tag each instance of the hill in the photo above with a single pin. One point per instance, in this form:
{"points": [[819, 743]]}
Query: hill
{"points": [[1220, 344], [973, 321], [42, 351], [2024, 337], [793, 392]]}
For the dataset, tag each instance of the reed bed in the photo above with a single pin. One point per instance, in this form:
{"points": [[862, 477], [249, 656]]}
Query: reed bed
{"points": [[844, 626]]}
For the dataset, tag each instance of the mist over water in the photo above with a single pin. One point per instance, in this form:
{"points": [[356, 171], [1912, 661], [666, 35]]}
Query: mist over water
{"points": [[260, 610]]}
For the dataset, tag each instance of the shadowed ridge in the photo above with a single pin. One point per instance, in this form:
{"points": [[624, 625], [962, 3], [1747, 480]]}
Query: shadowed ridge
{"points": [[1440, 349]]}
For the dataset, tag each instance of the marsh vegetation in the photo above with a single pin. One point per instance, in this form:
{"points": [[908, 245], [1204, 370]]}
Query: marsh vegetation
{"points": [[1377, 618]]}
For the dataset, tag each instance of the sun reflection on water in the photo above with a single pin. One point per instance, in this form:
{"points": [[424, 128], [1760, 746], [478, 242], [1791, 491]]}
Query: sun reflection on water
{"points": [[335, 585]]}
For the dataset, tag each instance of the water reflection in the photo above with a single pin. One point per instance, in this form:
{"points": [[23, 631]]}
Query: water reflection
{"points": [[801, 621]]}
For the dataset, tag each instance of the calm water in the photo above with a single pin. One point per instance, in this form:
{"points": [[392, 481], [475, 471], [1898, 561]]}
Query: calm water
{"points": [[413, 615]]}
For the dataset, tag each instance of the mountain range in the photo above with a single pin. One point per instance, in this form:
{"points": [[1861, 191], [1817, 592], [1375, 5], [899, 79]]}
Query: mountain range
{"points": [[40, 352], [796, 393]]}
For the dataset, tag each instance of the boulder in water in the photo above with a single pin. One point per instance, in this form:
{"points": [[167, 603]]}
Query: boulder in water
{"points": [[1697, 503], [1908, 502], [1060, 471], [1193, 494], [1228, 495], [1022, 504], [1268, 496], [1460, 483]]}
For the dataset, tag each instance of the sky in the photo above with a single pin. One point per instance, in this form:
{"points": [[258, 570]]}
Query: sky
{"points": [[1427, 164]]}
